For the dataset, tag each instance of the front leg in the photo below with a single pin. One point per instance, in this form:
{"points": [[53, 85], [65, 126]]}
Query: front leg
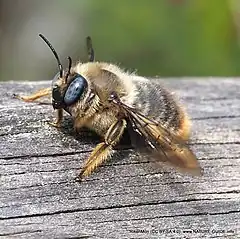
{"points": [[38, 94], [59, 120], [34, 96], [104, 149]]}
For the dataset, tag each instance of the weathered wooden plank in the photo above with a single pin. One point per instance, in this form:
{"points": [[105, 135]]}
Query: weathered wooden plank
{"points": [[125, 198]]}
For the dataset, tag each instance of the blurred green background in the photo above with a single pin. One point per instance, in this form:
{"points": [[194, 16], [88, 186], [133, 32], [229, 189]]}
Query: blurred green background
{"points": [[156, 38]]}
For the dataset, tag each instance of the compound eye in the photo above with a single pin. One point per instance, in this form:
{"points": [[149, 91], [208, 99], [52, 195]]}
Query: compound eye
{"points": [[75, 90]]}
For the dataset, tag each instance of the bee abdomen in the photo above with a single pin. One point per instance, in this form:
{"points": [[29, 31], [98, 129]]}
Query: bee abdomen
{"points": [[158, 104]]}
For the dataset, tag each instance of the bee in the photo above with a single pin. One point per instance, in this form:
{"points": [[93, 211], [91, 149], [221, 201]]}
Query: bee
{"points": [[108, 100]]}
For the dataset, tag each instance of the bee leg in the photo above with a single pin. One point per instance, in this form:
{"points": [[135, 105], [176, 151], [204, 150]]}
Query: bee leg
{"points": [[104, 149], [58, 122], [34, 96]]}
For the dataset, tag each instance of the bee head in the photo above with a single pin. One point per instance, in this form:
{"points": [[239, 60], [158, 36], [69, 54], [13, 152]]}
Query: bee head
{"points": [[67, 88]]}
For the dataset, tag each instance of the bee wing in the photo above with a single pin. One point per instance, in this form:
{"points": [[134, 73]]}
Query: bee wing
{"points": [[159, 143]]}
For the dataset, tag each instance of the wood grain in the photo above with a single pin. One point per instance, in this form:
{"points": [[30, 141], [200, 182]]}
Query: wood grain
{"points": [[124, 198]]}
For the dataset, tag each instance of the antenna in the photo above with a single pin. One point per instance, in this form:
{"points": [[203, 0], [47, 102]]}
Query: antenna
{"points": [[90, 49], [69, 67], [54, 53]]}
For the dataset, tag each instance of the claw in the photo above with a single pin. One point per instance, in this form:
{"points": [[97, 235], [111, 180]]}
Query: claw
{"points": [[79, 178], [55, 124], [16, 96], [25, 99]]}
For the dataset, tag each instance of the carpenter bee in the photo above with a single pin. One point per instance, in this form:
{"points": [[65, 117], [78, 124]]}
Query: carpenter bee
{"points": [[109, 101]]}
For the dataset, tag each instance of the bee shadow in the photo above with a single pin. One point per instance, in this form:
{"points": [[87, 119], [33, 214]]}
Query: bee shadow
{"points": [[125, 150]]}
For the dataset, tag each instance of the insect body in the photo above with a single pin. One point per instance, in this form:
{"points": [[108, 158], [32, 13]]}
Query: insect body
{"points": [[106, 99]]}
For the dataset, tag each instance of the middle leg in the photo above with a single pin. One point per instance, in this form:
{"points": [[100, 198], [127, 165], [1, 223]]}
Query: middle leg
{"points": [[104, 149]]}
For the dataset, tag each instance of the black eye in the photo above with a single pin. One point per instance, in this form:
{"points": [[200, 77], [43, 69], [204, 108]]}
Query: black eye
{"points": [[75, 90], [56, 95]]}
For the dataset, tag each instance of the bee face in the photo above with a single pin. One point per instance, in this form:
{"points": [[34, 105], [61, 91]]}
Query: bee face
{"points": [[67, 88], [66, 94]]}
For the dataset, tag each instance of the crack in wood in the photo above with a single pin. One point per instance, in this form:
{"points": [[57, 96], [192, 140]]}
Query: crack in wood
{"points": [[109, 208], [217, 117], [170, 216]]}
